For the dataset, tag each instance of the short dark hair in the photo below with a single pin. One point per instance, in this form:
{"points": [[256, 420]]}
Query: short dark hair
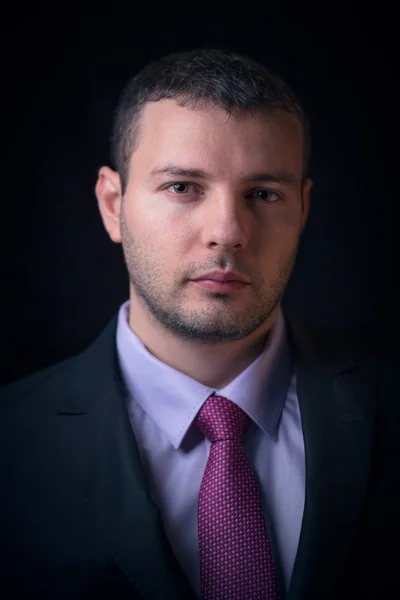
{"points": [[206, 76]]}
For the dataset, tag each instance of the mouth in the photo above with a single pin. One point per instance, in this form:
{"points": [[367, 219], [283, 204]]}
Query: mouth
{"points": [[213, 285]]}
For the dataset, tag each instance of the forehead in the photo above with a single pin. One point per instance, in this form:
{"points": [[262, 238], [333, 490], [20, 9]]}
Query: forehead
{"points": [[209, 138]]}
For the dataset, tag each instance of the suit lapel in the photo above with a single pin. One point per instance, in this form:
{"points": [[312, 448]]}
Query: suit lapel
{"points": [[95, 439], [336, 395]]}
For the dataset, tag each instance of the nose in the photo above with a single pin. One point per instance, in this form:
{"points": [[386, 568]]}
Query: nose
{"points": [[226, 222]]}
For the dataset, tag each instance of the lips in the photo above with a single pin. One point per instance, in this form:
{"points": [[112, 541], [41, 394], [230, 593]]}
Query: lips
{"points": [[229, 276], [214, 285]]}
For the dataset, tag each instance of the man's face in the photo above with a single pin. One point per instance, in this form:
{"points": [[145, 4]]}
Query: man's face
{"points": [[175, 228]]}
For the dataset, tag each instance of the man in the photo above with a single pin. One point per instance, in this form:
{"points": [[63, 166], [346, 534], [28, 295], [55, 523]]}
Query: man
{"points": [[208, 444]]}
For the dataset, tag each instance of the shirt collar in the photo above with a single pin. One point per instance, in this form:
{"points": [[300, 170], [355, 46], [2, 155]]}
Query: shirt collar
{"points": [[172, 399]]}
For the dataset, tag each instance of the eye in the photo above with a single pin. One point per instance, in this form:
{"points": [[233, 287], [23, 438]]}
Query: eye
{"points": [[180, 188], [266, 195]]}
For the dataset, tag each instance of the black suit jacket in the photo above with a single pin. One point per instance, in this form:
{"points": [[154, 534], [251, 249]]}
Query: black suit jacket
{"points": [[77, 520]]}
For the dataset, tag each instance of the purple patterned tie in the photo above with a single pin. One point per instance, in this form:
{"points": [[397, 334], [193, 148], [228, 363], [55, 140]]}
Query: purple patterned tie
{"points": [[235, 556]]}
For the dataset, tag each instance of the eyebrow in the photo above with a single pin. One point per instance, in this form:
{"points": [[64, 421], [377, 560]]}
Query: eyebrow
{"points": [[177, 171]]}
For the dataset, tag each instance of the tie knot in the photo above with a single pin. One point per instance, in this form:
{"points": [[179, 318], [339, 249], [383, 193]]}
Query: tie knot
{"points": [[221, 419]]}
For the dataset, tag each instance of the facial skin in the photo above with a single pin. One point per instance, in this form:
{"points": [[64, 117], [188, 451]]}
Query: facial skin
{"points": [[176, 228]]}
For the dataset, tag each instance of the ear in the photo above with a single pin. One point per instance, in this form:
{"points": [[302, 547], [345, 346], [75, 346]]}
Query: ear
{"points": [[306, 197], [109, 198]]}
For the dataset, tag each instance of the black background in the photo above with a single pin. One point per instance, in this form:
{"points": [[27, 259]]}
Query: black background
{"points": [[62, 70]]}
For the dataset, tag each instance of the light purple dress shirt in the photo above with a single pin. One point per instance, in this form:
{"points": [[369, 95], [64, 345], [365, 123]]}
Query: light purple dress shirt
{"points": [[162, 404]]}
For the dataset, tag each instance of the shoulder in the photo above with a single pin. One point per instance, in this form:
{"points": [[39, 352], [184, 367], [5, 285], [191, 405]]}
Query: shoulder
{"points": [[16, 392], [75, 383], [388, 370], [385, 363], [26, 408]]}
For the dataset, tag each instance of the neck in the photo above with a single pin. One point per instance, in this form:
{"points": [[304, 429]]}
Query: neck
{"points": [[213, 365]]}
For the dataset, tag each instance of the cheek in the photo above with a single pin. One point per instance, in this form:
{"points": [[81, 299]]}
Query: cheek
{"points": [[279, 238], [146, 223], [277, 229], [167, 237], [176, 226], [283, 234]]}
